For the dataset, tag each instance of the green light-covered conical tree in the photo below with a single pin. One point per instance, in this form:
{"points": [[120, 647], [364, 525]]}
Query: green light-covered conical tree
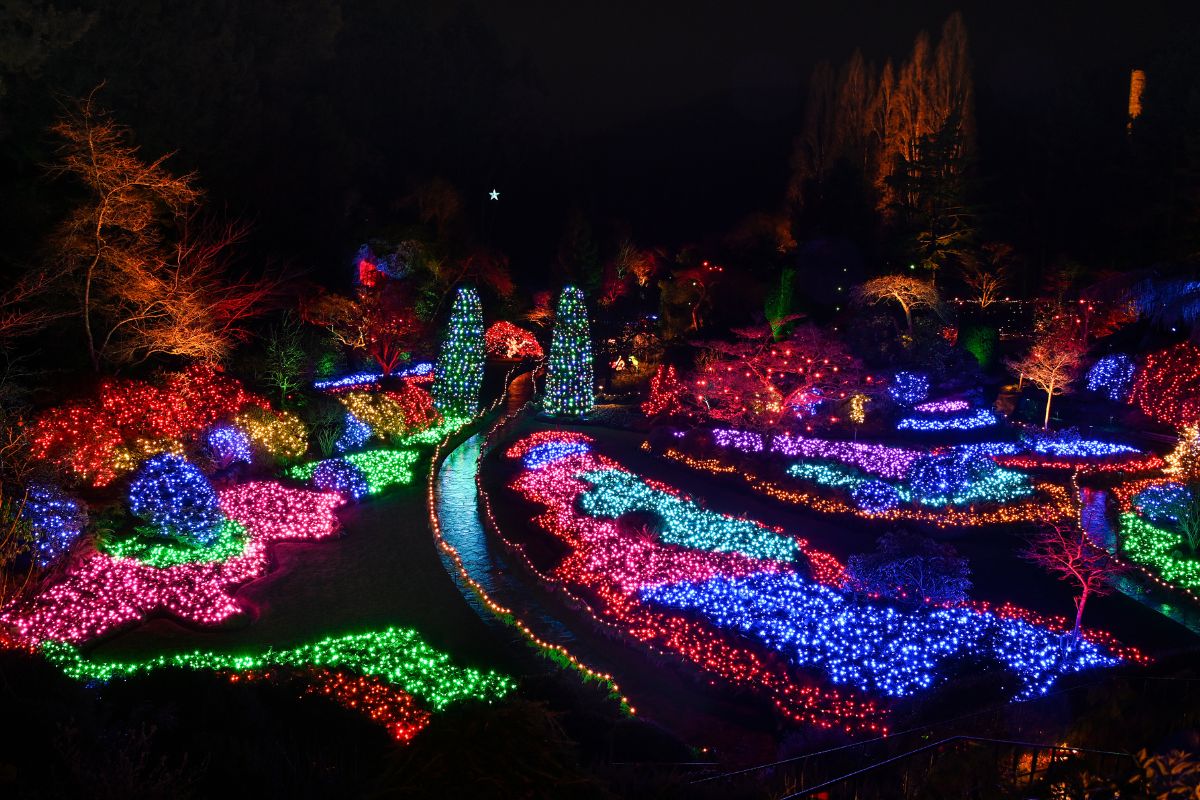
{"points": [[459, 371], [569, 380]]}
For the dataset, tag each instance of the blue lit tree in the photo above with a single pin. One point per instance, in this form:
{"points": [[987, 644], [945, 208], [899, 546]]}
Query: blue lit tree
{"points": [[569, 380], [459, 372], [176, 500]]}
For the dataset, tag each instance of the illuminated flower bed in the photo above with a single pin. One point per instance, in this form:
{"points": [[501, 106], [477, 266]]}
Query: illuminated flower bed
{"points": [[896, 483], [979, 418], [391, 675], [754, 604], [879, 649], [379, 470], [106, 591], [1161, 550], [359, 380]]}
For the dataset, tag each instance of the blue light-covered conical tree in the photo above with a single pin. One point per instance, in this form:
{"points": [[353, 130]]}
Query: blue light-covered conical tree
{"points": [[459, 372], [569, 380]]}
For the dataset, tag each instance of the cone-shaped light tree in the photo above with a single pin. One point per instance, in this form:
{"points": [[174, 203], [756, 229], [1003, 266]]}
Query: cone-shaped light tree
{"points": [[569, 380], [459, 371]]}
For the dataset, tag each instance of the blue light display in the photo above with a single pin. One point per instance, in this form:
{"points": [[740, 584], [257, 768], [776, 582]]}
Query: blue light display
{"points": [[875, 497], [336, 475], [176, 499], [1162, 503], [355, 434], [55, 519], [909, 388], [1112, 376], [543, 455], [228, 445], [980, 418], [873, 646]]}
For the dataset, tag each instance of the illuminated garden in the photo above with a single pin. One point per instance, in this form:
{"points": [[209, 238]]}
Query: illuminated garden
{"points": [[417, 400]]}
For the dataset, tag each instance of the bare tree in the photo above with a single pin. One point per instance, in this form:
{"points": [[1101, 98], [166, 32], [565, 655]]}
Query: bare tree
{"points": [[1066, 552], [987, 275], [1053, 363], [119, 229], [283, 359], [910, 293]]}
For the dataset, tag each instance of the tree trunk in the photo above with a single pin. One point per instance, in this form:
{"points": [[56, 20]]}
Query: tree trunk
{"points": [[1049, 398], [1080, 602]]}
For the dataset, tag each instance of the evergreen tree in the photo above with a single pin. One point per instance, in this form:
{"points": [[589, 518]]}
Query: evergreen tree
{"points": [[569, 380], [459, 372]]}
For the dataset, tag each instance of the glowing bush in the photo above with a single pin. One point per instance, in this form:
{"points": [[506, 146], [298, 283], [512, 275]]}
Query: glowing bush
{"points": [[55, 519], [336, 475], [909, 388], [176, 499], [1112, 376], [875, 497], [355, 434], [1163, 503], [97, 439], [1168, 387], [281, 435], [505, 340], [227, 445]]}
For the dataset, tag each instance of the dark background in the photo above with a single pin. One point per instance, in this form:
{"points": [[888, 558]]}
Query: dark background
{"points": [[670, 120]]}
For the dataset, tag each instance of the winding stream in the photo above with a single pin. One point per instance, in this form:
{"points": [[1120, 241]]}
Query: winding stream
{"points": [[457, 508]]}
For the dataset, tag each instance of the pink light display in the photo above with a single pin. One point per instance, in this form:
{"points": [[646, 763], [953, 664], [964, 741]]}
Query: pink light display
{"points": [[942, 406], [105, 592]]}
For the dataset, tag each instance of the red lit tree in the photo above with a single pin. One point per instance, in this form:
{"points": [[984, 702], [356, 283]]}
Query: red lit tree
{"points": [[1168, 386], [666, 393], [1066, 552], [380, 320], [760, 383]]}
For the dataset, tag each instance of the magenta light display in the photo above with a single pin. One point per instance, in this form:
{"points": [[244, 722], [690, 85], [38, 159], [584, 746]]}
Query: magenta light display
{"points": [[942, 406], [105, 593]]}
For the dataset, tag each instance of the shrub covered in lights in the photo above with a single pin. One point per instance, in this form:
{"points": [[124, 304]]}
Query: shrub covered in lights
{"points": [[55, 520], [97, 439], [227, 445], [1163, 503], [979, 418], [911, 568], [569, 378], [505, 340], [378, 469], [1168, 386], [909, 388], [1112, 377], [336, 475], [957, 478], [875, 497], [355, 434], [459, 371], [615, 493], [281, 435], [177, 501], [1160, 550]]}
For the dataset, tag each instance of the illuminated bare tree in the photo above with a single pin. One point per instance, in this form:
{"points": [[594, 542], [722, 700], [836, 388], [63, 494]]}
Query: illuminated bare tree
{"points": [[1066, 552], [987, 275], [121, 227], [909, 293], [1053, 363]]}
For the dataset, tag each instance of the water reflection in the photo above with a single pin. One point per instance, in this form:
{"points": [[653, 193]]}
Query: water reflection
{"points": [[457, 507]]}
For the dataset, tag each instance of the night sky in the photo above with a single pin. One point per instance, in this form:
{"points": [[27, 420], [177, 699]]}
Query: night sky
{"points": [[669, 120]]}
